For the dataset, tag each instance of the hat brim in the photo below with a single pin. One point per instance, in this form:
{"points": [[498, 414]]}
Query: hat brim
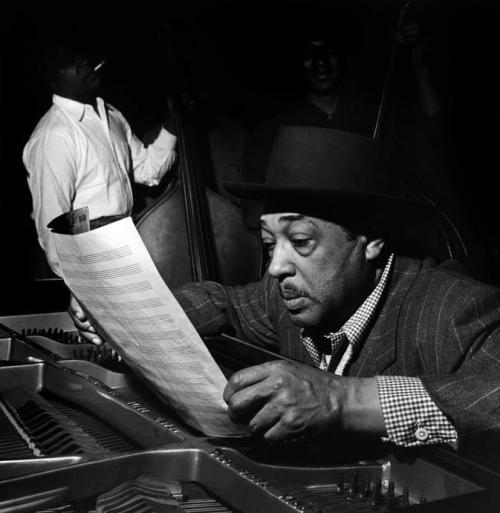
{"points": [[281, 195]]}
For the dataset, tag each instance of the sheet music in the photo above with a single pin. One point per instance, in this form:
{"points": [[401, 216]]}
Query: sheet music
{"points": [[110, 272]]}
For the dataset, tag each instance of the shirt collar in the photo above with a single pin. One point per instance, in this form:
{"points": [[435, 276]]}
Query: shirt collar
{"points": [[356, 326], [76, 110]]}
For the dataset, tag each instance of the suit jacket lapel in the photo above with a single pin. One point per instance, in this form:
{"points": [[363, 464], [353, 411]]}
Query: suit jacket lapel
{"points": [[300, 353], [379, 349], [290, 342]]}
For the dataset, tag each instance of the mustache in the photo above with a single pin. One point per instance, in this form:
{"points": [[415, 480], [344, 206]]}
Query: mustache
{"points": [[290, 291]]}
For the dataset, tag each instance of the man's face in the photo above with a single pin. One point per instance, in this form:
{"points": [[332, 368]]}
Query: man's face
{"points": [[77, 79], [321, 66], [321, 269]]}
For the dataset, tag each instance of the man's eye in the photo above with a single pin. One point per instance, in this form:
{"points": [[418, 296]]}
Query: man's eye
{"points": [[269, 247], [303, 246], [301, 243]]}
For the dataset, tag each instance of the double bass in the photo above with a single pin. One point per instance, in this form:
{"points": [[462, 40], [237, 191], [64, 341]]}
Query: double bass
{"points": [[192, 233], [448, 235]]}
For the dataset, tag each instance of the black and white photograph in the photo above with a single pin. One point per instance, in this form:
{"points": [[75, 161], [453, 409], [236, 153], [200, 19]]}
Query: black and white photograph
{"points": [[250, 256]]}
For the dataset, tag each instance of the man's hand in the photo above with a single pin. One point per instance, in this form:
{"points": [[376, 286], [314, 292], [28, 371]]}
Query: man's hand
{"points": [[82, 324], [169, 122], [410, 34], [284, 400]]}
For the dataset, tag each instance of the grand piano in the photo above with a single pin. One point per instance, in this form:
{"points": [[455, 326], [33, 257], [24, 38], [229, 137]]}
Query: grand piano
{"points": [[80, 432]]}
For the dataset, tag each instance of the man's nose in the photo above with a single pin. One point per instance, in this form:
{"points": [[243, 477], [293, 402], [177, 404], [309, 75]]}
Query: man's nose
{"points": [[281, 265], [322, 62]]}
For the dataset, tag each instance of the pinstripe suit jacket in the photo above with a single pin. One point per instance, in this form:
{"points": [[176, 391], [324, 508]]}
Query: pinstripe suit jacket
{"points": [[434, 322]]}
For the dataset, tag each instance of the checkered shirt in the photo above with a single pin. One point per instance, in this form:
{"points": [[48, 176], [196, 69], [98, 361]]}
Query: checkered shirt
{"points": [[411, 417], [352, 332]]}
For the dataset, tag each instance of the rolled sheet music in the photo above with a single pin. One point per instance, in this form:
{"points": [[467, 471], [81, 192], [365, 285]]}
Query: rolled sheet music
{"points": [[113, 277]]}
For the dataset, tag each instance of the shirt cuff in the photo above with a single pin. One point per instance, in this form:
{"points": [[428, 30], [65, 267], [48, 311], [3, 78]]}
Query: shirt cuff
{"points": [[411, 416], [166, 139]]}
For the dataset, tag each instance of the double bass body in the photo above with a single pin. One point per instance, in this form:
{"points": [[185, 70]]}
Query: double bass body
{"points": [[194, 234], [163, 228]]}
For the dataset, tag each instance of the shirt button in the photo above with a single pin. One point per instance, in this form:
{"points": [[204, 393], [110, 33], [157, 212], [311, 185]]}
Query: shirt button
{"points": [[421, 434]]}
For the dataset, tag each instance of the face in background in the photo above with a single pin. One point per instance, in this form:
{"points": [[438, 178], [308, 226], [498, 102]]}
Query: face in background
{"points": [[324, 272], [76, 79], [322, 67]]}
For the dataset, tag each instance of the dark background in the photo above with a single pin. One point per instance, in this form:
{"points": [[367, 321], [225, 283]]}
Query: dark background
{"points": [[245, 57]]}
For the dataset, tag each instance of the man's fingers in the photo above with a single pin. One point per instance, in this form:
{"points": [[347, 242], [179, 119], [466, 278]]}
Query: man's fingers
{"points": [[243, 404], [247, 377], [278, 424], [92, 338], [265, 418], [87, 331], [74, 306], [280, 431], [82, 324]]}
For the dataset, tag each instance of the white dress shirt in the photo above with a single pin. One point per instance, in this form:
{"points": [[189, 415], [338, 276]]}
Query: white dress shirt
{"points": [[76, 158]]}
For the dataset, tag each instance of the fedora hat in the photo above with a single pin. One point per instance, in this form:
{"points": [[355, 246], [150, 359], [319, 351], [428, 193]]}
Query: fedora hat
{"points": [[328, 169], [348, 179]]}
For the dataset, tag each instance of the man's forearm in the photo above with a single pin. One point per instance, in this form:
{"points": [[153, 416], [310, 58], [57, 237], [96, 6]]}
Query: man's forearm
{"points": [[152, 163], [361, 411]]}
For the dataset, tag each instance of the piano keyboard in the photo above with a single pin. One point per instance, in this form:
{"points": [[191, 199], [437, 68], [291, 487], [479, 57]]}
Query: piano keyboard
{"points": [[14, 443], [48, 427]]}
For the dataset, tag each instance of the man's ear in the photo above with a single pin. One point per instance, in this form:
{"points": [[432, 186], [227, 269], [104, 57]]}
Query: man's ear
{"points": [[374, 249]]}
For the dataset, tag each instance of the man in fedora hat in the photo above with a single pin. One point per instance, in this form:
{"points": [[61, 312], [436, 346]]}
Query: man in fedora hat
{"points": [[377, 342]]}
